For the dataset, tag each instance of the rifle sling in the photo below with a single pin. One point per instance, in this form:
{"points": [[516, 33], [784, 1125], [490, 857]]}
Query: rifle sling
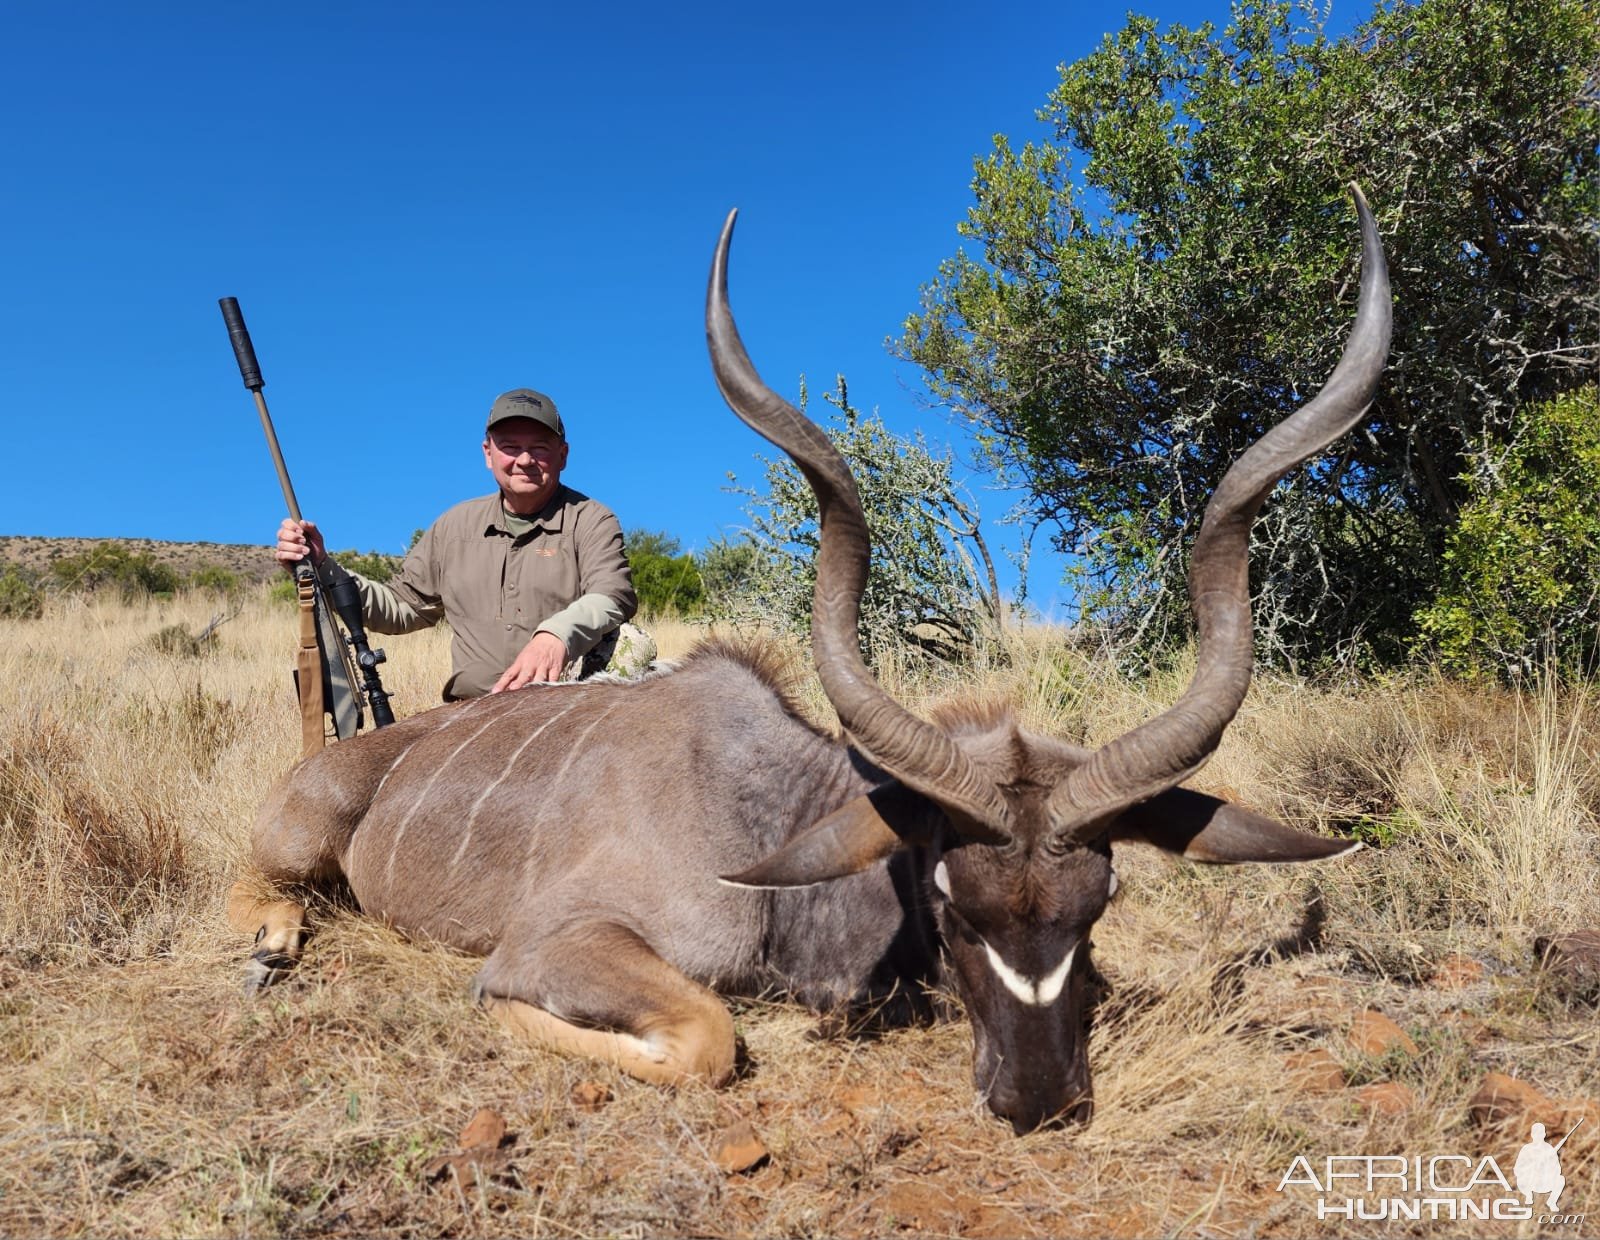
{"points": [[308, 670]]}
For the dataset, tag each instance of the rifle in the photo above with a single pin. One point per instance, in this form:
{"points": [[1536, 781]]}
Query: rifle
{"points": [[325, 671]]}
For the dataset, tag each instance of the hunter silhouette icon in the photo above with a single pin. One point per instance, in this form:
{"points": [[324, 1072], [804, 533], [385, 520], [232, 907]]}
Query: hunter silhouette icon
{"points": [[1538, 1166]]}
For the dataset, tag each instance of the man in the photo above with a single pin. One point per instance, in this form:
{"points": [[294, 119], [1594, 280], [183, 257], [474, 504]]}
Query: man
{"points": [[532, 580]]}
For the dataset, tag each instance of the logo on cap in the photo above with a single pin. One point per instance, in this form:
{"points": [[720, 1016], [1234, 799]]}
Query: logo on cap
{"points": [[526, 403]]}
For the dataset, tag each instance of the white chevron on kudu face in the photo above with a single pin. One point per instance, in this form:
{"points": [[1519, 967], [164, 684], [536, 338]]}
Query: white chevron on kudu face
{"points": [[1035, 992]]}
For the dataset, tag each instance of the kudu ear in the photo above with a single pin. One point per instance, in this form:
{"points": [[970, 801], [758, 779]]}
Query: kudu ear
{"points": [[1207, 828], [847, 841]]}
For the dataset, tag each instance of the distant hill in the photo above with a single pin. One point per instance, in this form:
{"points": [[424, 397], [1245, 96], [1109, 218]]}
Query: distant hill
{"points": [[252, 562]]}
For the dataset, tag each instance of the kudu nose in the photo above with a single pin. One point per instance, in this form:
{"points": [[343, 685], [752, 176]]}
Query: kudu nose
{"points": [[1027, 1115]]}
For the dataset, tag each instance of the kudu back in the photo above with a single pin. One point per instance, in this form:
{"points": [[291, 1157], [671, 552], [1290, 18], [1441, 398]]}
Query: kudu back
{"points": [[621, 853]]}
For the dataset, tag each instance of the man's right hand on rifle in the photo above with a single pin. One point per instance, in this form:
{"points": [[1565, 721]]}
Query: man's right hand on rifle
{"points": [[296, 539]]}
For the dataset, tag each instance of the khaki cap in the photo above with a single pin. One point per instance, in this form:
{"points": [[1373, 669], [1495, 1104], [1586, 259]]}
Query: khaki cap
{"points": [[526, 403]]}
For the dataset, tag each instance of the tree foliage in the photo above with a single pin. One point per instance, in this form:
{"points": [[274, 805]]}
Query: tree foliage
{"points": [[730, 571], [665, 577], [931, 585], [111, 566], [1175, 270], [1522, 569]]}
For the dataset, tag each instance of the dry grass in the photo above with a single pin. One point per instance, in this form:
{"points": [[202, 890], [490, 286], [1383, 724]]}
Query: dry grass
{"points": [[141, 1095]]}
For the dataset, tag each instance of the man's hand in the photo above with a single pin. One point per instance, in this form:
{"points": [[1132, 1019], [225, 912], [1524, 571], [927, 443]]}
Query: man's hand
{"points": [[296, 540], [541, 659]]}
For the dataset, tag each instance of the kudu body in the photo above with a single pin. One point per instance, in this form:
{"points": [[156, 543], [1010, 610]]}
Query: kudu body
{"points": [[622, 852]]}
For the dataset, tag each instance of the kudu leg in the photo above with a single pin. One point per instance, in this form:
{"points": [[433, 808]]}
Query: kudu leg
{"points": [[620, 1003], [294, 842], [279, 930]]}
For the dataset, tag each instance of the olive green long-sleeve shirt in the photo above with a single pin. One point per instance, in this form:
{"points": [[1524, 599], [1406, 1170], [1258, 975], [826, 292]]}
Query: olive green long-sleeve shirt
{"points": [[566, 575]]}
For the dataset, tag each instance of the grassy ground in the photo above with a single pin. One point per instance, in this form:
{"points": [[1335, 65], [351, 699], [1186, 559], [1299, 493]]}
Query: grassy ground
{"points": [[140, 1094]]}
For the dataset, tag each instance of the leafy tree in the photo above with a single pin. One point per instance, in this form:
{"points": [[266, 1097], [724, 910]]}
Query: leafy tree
{"points": [[1175, 270], [112, 566], [666, 579], [931, 586], [1522, 570]]}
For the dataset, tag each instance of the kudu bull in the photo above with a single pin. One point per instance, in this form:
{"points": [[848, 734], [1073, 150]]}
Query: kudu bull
{"points": [[622, 852]]}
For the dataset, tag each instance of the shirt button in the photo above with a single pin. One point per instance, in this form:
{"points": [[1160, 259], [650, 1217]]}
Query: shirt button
{"points": [[508, 628]]}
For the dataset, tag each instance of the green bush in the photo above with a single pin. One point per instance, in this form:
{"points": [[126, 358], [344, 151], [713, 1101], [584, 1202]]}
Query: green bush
{"points": [[111, 566], [373, 565], [20, 595], [729, 572], [1522, 567], [666, 580], [215, 577]]}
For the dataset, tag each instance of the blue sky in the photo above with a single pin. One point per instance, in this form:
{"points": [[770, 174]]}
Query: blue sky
{"points": [[419, 207]]}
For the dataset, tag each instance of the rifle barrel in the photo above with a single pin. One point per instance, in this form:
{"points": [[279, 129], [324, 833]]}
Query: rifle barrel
{"points": [[244, 352], [277, 455]]}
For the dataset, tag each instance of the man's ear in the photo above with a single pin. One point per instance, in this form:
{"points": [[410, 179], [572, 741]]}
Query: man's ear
{"points": [[858, 833], [1207, 828]]}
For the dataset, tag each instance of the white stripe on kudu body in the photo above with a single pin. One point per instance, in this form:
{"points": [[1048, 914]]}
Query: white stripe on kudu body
{"points": [[393, 766], [510, 765], [576, 747], [422, 796]]}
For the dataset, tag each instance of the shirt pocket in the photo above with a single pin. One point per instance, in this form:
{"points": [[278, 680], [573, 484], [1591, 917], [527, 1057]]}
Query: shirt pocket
{"points": [[541, 578]]}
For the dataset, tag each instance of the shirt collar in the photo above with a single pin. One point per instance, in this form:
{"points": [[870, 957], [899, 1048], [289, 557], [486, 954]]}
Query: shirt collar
{"points": [[549, 518]]}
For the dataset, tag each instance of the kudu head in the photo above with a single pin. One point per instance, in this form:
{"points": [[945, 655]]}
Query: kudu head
{"points": [[1019, 828]]}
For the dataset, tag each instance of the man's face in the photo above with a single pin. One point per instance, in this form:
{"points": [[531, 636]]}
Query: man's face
{"points": [[526, 459]]}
